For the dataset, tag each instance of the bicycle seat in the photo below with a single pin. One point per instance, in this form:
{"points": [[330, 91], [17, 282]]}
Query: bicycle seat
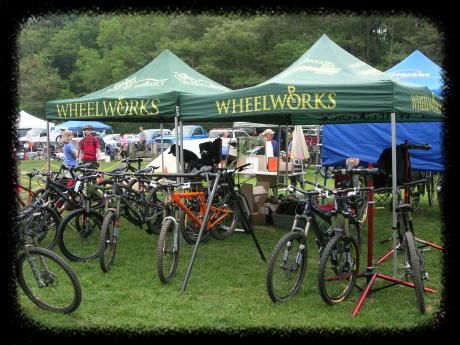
{"points": [[404, 207]]}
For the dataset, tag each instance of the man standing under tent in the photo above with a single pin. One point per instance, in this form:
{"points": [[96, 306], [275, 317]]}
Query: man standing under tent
{"points": [[270, 150], [89, 149]]}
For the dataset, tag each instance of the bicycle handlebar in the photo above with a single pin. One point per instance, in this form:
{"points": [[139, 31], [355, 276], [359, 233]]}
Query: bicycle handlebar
{"points": [[357, 171]]}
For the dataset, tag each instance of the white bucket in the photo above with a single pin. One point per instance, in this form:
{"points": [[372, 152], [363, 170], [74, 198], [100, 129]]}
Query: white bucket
{"points": [[107, 159]]}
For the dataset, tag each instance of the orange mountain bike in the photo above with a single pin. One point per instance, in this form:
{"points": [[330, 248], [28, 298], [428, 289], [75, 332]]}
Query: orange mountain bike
{"points": [[222, 218]]}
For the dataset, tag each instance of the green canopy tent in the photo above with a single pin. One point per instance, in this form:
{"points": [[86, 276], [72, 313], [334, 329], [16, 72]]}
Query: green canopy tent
{"points": [[325, 85], [152, 94]]}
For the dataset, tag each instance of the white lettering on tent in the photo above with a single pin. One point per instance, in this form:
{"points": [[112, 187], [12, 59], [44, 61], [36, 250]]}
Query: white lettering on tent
{"points": [[184, 78], [132, 83], [409, 73]]}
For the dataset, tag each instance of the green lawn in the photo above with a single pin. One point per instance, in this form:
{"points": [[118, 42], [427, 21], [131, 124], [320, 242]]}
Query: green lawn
{"points": [[226, 290]]}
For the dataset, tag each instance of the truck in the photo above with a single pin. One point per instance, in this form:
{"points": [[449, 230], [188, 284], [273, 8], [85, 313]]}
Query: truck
{"points": [[190, 132]]}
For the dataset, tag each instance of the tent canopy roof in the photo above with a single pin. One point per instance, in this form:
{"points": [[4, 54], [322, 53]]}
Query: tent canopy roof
{"points": [[322, 85], [27, 120], [80, 125], [418, 69], [149, 94]]}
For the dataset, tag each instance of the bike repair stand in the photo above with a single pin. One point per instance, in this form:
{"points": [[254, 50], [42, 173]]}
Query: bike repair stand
{"points": [[407, 200], [370, 273], [246, 224]]}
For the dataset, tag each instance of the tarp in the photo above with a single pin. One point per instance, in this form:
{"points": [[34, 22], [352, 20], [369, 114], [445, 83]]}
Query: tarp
{"points": [[80, 125], [150, 94], [325, 85], [367, 141], [28, 121]]}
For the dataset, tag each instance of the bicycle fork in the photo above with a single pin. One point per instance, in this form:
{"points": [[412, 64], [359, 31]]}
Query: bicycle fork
{"points": [[176, 232]]}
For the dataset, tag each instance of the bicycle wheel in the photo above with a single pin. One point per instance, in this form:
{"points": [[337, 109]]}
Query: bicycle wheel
{"points": [[286, 267], [48, 281], [108, 241], [47, 236], [226, 227], [338, 268], [329, 171], [155, 211], [167, 251], [414, 272], [79, 235]]}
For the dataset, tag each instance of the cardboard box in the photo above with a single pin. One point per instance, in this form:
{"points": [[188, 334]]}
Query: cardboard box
{"points": [[283, 166], [246, 189], [258, 218]]}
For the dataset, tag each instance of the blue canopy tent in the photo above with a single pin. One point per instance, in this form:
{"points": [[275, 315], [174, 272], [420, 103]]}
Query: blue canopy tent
{"points": [[80, 125], [366, 141]]}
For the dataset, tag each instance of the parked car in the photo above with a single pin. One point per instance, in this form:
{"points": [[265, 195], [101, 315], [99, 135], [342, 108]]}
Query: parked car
{"points": [[151, 134], [190, 132], [38, 136], [228, 135]]}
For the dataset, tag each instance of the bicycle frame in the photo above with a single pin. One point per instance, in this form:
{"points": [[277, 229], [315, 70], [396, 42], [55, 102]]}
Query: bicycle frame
{"points": [[176, 198]]}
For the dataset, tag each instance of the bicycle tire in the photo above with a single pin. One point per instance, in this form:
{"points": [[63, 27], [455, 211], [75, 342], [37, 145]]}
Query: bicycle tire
{"points": [[333, 254], [108, 241], [152, 207], [415, 270], [225, 228], [80, 243], [28, 283], [47, 237], [167, 252], [290, 283]]}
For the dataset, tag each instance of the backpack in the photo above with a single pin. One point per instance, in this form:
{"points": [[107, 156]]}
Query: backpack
{"points": [[385, 166]]}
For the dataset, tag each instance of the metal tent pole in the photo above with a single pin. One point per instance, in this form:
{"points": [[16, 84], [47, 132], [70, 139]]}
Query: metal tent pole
{"points": [[161, 148], [48, 144], [278, 164], [286, 181], [394, 185], [182, 162], [176, 127]]}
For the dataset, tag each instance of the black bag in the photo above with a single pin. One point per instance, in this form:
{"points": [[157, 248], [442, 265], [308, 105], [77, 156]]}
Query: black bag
{"points": [[384, 179]]}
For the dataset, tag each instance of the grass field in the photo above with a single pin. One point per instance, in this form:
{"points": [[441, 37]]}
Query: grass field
{"points": [[226, 291]]}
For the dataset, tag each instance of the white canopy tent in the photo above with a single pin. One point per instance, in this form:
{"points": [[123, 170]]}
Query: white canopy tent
{"points": [[27, 121]]}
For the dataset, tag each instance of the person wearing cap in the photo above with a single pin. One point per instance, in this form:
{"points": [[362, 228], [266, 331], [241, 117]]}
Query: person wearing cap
{"points": [[89, 149], [270, 150]]}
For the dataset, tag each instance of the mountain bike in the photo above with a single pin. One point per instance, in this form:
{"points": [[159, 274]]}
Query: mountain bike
{"points": [[143, 206], [194, 205], [414, 270], [43, 275], [288, 262]]}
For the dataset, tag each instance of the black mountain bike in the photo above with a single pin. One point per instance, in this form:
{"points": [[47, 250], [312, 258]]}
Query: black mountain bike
{"points": [[44, 276]]}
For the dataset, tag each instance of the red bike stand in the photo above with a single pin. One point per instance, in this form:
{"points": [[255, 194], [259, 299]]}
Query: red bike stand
{"points": [[370, 273], [407, 200]]}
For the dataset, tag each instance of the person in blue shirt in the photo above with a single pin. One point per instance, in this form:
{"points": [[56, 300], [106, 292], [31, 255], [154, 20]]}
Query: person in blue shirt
{"points": [[70, 153]]}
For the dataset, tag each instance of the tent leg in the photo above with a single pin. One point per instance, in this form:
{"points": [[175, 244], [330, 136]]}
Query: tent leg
{"points": [[278, 164], [48, 156], [394, 183], [161, 149]]}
